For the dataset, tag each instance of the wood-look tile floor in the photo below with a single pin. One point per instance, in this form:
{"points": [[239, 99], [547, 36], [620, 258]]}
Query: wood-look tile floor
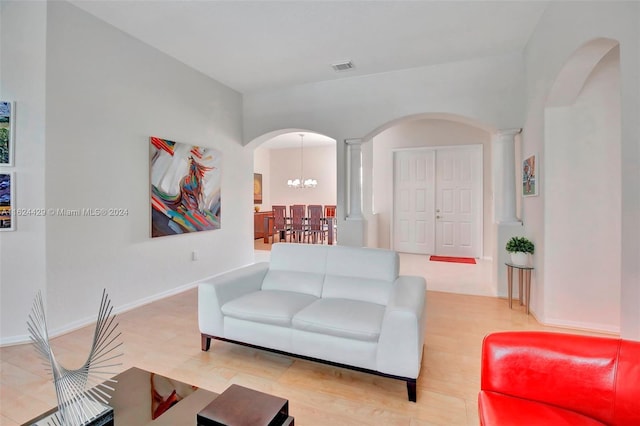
{"points": [[163, 337]]}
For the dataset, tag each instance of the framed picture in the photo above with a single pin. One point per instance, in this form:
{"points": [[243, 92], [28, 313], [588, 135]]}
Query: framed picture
{"points": [[185, 187], [7, 201], [7, 118], [257, 188], [530, 178]]}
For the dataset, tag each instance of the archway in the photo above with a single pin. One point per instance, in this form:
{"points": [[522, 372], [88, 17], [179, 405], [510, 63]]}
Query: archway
{"points": [[415, 131], [285, 155], [582, 190], [420, 132]]}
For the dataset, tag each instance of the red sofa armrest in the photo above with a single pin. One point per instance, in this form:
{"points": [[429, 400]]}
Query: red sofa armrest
{"points": [[573, 372], [627, 403]]}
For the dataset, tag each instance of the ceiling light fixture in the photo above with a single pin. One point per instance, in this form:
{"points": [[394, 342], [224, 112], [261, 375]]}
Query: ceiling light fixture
{"points": [[302, 182]]}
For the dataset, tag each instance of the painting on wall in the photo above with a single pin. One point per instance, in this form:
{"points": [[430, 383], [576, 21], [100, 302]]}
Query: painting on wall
{"points": [[257, 188], [530, 177], [7, 118], [185, 187], [7, 202]]}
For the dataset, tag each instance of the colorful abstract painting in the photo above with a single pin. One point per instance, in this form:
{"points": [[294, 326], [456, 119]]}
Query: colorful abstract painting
{"points": [[185, 188], [7, 204], [6, 133]]}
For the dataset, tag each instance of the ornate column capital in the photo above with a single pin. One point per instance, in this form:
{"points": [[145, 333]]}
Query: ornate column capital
{"points": [[508, 132]]}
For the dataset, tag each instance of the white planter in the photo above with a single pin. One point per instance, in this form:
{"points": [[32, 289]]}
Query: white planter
{"points": [[520, 258]]}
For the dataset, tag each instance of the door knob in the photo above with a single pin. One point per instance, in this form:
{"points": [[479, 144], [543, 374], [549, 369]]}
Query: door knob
{"points": [[437, 217]]}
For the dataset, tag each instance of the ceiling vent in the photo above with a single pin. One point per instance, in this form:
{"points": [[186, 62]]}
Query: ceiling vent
{"points": [[342, 66]]}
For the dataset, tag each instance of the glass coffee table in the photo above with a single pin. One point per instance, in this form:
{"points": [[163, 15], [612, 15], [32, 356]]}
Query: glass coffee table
{"points": [[145, 398]]}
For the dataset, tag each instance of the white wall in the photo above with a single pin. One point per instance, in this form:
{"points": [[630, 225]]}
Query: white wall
{"points": [[563, 28], [319, 164], [279, 165], [106, 93], [22, 252], [425, 133], [582, 220]]}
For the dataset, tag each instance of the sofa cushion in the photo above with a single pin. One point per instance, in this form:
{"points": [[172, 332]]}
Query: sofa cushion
{"points": [[351, 319], [363, 274], [503, 410], [361, 289], [268, 306], [379, 264], [299, 282], [298, 257]]}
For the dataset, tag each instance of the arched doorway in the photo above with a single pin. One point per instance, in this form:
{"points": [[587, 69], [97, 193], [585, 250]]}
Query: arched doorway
{"points": [[428, 132], [420, 131], [286, 155]]}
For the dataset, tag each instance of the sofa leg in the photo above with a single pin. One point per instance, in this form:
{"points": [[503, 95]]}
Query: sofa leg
{"points": [[206, 342], [411, 390]]}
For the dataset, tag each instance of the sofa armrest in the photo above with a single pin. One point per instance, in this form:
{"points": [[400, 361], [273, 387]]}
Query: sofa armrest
{"points": [[216, 291], [626, 410], [564, 370], [402, 333]]}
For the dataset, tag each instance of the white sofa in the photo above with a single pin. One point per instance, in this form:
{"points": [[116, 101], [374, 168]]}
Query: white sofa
{"points": [[340, 305]]}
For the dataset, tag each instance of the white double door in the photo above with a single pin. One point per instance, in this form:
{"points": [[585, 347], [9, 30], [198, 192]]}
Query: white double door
{"points": [[437, 194]]}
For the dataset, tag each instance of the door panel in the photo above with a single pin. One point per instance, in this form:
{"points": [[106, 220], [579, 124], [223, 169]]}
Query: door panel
{"points": [[414, 198], [459, 201]]}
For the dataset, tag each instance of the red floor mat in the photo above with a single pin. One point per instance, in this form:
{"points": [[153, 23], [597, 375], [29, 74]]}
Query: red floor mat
{"points": [[453, 259]]}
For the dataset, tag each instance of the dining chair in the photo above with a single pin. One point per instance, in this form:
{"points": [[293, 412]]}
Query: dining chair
{"points": [[298, 206], [330, 211], [316, 227], [298, 226], [280, 225]]}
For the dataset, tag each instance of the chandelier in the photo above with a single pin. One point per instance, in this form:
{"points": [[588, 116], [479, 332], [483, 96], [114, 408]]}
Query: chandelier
{"points": [[302, 182]]}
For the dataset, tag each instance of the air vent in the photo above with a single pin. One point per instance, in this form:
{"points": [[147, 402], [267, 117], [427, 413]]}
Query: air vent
{"points": [[342, 66]]}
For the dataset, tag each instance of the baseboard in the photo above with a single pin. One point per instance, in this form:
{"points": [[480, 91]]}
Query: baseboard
{"points": [[582, 326], [75, 325]]}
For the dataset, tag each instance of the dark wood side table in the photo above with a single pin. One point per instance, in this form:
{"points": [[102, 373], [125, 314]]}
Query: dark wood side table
{"points": [[523, 271], [240, 406], [261, 227]]}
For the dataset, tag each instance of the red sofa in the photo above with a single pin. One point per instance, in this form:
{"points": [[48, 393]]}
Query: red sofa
{"points": [[552, 379]]}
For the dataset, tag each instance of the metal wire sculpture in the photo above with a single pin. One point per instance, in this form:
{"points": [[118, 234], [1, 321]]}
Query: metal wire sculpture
{"points": [[82, 392]]}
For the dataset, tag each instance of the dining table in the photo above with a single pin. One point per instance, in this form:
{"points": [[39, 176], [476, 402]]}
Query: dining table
{"points": [[269, 222]]}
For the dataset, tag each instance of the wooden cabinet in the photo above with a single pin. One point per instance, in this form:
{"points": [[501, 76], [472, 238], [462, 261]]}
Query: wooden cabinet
{"points": [[258, 224]]}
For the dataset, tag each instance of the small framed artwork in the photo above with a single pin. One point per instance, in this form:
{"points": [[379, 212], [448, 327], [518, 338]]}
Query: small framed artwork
{"points": [[7, 118], [530, 178], [257, 188], [7, 202]]}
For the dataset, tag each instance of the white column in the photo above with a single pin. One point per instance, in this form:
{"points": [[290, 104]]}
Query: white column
{"points": [[354, 173], [504, 175]]}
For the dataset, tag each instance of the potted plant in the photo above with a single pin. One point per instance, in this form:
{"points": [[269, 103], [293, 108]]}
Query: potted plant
{"points": [[520, 248]]}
